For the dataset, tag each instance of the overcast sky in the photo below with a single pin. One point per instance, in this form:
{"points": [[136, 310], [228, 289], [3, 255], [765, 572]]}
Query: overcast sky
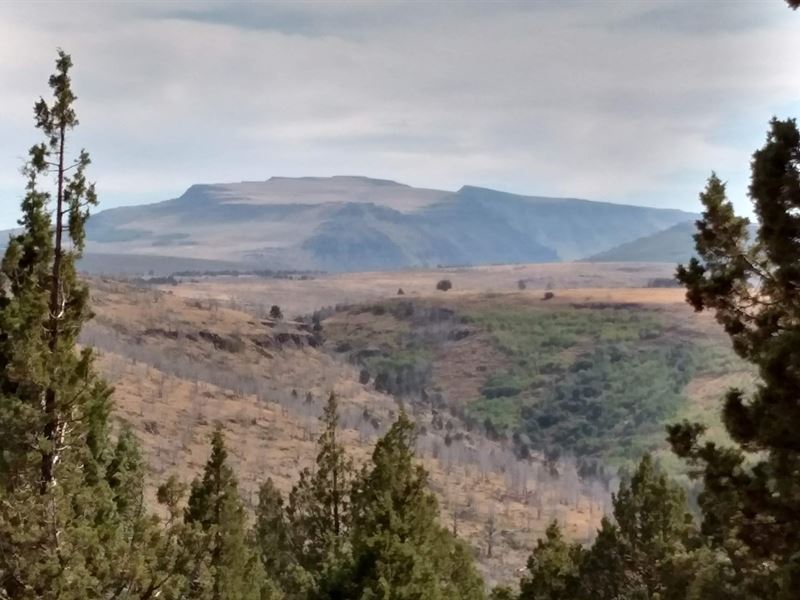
{"points": [[631, 102]]}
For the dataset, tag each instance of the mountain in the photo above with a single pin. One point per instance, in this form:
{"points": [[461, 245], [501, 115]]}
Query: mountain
{"points": [[674, 244], [349, 223]]}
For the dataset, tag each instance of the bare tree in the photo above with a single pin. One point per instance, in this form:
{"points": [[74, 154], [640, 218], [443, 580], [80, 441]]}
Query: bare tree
{"points": [[490, 530]]}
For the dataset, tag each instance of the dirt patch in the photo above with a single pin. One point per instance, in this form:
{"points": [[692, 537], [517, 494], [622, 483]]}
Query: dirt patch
{"points": [[462, 367]]}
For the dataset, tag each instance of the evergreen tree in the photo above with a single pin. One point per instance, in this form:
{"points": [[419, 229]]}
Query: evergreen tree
{"points": [[272, 530], [125, 473], [318, 511], [552, 568], [276, 549], [51, 396], [647, 552], [72, 519], [603, 569], [751, 493], [227, 568], [400, 551], [502, 592]]}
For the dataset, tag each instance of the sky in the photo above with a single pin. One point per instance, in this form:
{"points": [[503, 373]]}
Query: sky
{"points": [[633, 102]]}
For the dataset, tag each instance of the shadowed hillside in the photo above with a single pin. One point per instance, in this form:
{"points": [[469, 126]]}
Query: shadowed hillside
{"points": [[673, 245]]}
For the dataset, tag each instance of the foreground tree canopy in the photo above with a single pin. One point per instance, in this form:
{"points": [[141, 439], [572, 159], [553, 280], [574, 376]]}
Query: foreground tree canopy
{"points": [[751, 495]]}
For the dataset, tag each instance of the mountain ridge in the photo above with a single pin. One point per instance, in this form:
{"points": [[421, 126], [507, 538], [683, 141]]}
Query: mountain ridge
{"points": [[674, 244], [355, 223]]}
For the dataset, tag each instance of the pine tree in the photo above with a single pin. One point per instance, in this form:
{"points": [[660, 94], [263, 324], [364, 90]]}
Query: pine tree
{"points": [[648, 551], [72, 520], [552, 568], [502, 592], [751, 493], [318, 514], [603, 568], [400, 551], [319, 511], [228, 567], [274, 539]]}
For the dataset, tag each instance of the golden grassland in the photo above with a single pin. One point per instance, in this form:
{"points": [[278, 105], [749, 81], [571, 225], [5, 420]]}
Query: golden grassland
{"points": [[305, 296]]}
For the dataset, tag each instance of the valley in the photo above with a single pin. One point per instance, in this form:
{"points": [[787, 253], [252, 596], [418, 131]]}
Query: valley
{"points": [[477, 367], [399, 301]]}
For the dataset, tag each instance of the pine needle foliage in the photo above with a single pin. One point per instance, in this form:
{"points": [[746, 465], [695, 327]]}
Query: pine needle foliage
{"points": [[73, 523], [227, 567], [751, 490]]}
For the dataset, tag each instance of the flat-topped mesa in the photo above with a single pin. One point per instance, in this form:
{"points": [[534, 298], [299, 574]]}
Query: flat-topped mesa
{"points": [[338, 178], [357, 223]]}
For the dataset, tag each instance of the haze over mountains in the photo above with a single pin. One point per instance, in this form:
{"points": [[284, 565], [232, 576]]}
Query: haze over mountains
{"points": [[674, 244], [348, 223]]}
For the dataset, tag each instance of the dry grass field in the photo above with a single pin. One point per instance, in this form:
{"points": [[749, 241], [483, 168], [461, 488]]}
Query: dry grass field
{"points": [[305, 296]]}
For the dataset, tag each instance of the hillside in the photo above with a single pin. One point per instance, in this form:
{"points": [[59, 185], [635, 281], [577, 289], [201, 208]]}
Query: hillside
{"points": [[466, 363], [180, 365], [572, 375], [356, 223], [566, 373], [672, 245]]}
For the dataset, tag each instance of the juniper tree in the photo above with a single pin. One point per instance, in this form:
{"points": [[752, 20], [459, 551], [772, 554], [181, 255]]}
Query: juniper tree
{"points": [[648, 551], [319, 504], [51, 396], [275, 543], [400, 550], [603, 570], [751, 490], [318, 513], [552, 568], [72, 522], [227, 567]]}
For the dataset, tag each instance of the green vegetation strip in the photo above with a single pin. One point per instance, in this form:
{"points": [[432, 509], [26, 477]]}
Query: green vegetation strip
{"points": [[597, 382]]}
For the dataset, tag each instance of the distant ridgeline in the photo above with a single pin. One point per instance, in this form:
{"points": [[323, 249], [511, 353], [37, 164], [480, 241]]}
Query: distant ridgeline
{"points": [[357, 223]]}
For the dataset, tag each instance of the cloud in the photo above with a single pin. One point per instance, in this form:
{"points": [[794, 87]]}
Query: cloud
{"points": [[617, 101]]}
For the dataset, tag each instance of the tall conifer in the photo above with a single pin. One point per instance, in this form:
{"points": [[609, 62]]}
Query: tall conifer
{"points": [[319, 510], [227, 567], [751, 493], [400, 550], [72, 521]]}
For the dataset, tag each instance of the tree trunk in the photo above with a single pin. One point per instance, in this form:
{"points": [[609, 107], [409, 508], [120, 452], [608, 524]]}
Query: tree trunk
{"points": [[52, 424]]}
